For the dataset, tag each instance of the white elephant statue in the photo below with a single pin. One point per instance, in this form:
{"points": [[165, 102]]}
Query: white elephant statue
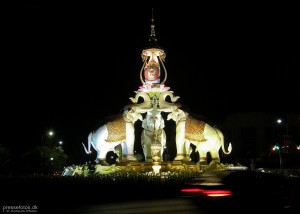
{"points": [[118, 131], [153, 133], [205, 137]]}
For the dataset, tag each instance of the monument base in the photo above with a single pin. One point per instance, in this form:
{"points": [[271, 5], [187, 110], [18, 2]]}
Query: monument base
{"points": [[144, 167], [169, 166]]}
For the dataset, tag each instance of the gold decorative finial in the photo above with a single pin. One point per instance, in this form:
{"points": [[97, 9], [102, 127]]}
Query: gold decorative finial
{"points": [[152, 35], [153, 57], [152, 16]]}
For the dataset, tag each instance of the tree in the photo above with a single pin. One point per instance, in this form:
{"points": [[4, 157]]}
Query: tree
{"points": [[5, 160], [44, 160]]}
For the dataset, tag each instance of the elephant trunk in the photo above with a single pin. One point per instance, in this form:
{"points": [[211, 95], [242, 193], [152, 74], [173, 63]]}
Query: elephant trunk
{"points": [[142, 107], [229, 148], [86, 151], [221, 136], [90, 142]]}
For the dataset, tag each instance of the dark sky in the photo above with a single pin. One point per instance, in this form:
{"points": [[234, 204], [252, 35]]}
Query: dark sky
{"points": [[69, 66]]}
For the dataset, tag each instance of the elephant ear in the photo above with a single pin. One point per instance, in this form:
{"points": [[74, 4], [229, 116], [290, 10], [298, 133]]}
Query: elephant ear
{"points": [[134, 116], [174, 116]]}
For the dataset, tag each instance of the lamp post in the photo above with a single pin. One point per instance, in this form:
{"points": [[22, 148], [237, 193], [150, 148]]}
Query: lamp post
{"points": [[276, 147], [279, 121], [49, 133]]}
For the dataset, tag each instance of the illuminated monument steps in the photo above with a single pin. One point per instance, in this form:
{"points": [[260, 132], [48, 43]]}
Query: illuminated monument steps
{"points": [[118, 135]]}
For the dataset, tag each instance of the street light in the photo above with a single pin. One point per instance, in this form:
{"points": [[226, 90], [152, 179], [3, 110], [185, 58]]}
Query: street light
{"points": [[276, 147], [49, 133], [279, 148], [279, 121]]}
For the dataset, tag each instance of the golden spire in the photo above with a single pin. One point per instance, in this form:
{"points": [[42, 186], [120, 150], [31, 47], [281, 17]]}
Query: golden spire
{"points": [[152, 35], [153, 57]]}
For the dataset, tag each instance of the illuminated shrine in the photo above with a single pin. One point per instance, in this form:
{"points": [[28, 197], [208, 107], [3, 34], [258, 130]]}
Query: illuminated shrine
{"points": [[118, 135]]}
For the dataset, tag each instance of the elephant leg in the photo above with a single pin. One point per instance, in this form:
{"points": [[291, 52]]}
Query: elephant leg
{"points": [[146, 145], [147, 152], [180, 140], [123, 155], [180, 146], [187, 151], [215, 156], [203, 158], [148, 159], [212, 145], [130, 136], [129, 157], [101, 153]]}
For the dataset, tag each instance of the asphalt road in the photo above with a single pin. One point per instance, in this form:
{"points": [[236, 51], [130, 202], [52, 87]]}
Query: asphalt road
{"points": [[174, 206]]}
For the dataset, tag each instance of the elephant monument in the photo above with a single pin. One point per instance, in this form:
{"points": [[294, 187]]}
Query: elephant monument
{"points": [[153, 135], [119, 131], [205, 137]]}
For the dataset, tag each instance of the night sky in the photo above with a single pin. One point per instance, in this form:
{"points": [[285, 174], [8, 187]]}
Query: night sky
{"points": [[67, 67]]}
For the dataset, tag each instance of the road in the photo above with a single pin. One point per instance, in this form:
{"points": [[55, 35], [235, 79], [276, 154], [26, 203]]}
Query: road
{"points": [[173, 206]]}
